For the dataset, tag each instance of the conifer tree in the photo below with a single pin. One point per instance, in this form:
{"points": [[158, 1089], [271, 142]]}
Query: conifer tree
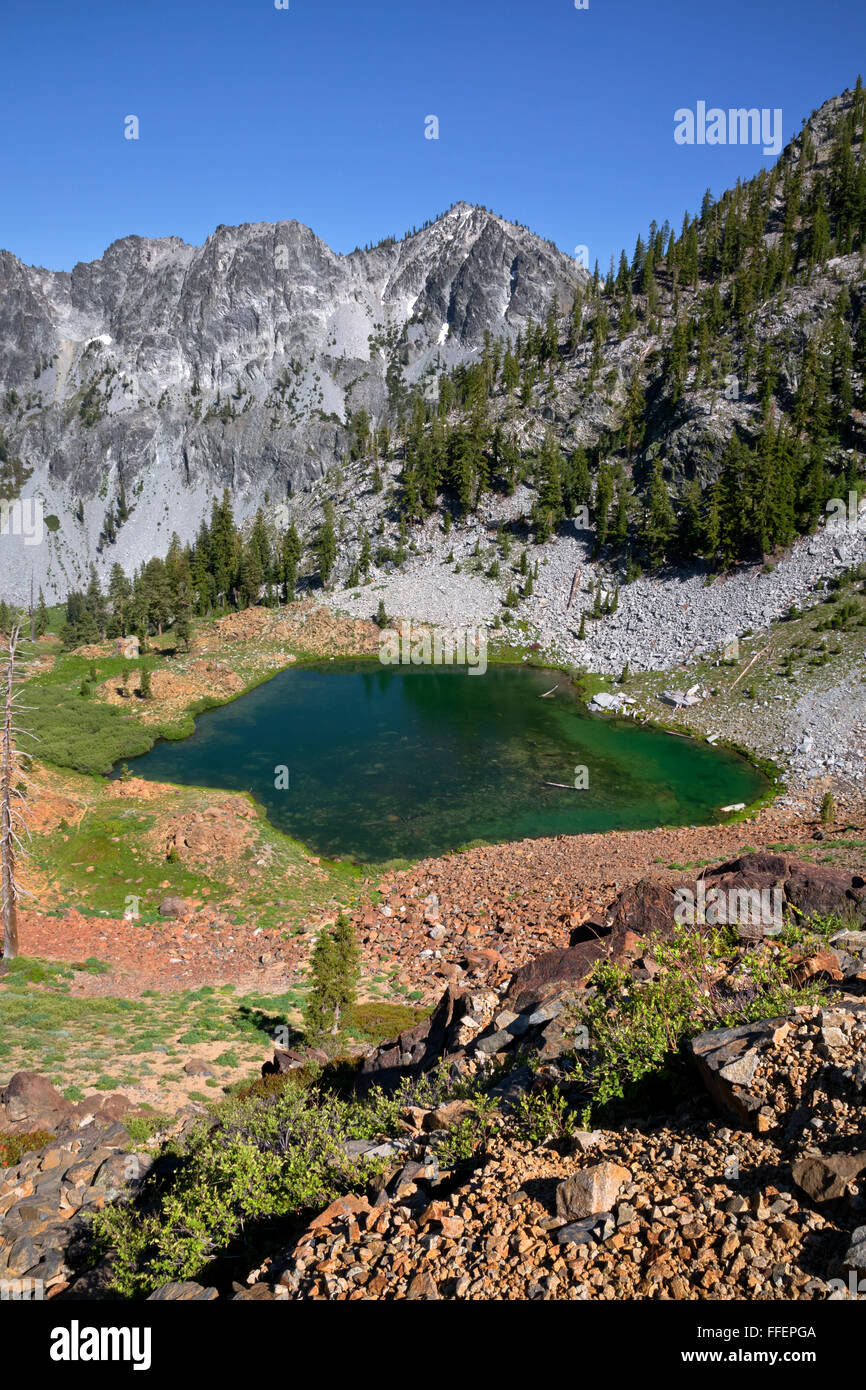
{"points": [[576, 482], [223, 546], [251, 577], [334, 972], [96, 603], [660, 525], [41, 616], [290, 559], [326, 544], [603, 500], [547, 512]]}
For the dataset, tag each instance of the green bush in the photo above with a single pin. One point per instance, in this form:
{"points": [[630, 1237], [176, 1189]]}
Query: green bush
{"points": [[544, 1115], [272, 1151], [264, 1159], [140, 1128], [637, 1030]]}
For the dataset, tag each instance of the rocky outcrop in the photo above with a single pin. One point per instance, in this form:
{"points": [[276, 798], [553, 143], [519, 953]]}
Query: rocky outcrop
{"points": [[29, 1103], [804, 890], [417, 1049], [795, 1076], [48, 1197], [531, 1010], [546, 976]]}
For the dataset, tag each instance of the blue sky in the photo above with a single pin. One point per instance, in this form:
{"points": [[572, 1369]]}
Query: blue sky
{"points": [[558, 118]]}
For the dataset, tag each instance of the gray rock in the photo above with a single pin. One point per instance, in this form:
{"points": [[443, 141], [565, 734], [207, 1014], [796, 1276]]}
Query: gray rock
{"points": [[183, 1292], [741, 1072], [580, 1232], [545, 1013], [495, 1042], [368, 1148], [220, 364], [855, 1257]]}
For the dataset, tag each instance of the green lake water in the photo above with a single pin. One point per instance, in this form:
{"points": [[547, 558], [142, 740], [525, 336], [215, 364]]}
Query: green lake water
{"points": [[389, 762]]}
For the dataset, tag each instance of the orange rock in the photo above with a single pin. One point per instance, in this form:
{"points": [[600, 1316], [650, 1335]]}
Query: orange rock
{"points": [[342, 1206]]}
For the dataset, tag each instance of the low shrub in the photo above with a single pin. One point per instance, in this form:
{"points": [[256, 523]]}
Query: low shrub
{"points": [[636, 1030], [13, 1147]]}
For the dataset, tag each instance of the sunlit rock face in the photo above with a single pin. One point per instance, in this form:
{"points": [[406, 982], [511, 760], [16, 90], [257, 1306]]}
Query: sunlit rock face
{"points": [[177, 370]]}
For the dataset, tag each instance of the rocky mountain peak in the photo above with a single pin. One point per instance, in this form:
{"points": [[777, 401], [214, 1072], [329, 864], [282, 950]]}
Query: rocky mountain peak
{"points": [[176, 370]]}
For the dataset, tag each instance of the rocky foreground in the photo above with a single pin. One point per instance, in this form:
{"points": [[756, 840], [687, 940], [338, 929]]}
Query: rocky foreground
{"points": [[742, 1179]]}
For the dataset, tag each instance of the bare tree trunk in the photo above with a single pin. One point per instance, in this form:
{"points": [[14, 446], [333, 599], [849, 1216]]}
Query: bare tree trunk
{"points": [[7, 835]]}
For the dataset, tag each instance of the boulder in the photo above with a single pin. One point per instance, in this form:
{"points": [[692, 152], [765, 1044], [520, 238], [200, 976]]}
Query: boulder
{"points": [[825, 1177], [647, 908], [186, 1291], [811, 888], [350, 1205], [449, 1115], [727, 1059], [535, 983], [855, 1257], [289, 1059], [591, 1191], [172, 907], [196, 1067], [29, 1102]]}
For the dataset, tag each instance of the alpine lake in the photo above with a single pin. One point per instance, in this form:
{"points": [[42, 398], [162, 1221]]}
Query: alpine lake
{"points": [[373, 763]]}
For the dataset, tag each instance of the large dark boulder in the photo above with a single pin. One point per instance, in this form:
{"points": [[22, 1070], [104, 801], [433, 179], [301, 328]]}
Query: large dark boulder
{"points": [[810, 888], [553, 971], [649, 908], [29, 1102], [646, 908]]}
